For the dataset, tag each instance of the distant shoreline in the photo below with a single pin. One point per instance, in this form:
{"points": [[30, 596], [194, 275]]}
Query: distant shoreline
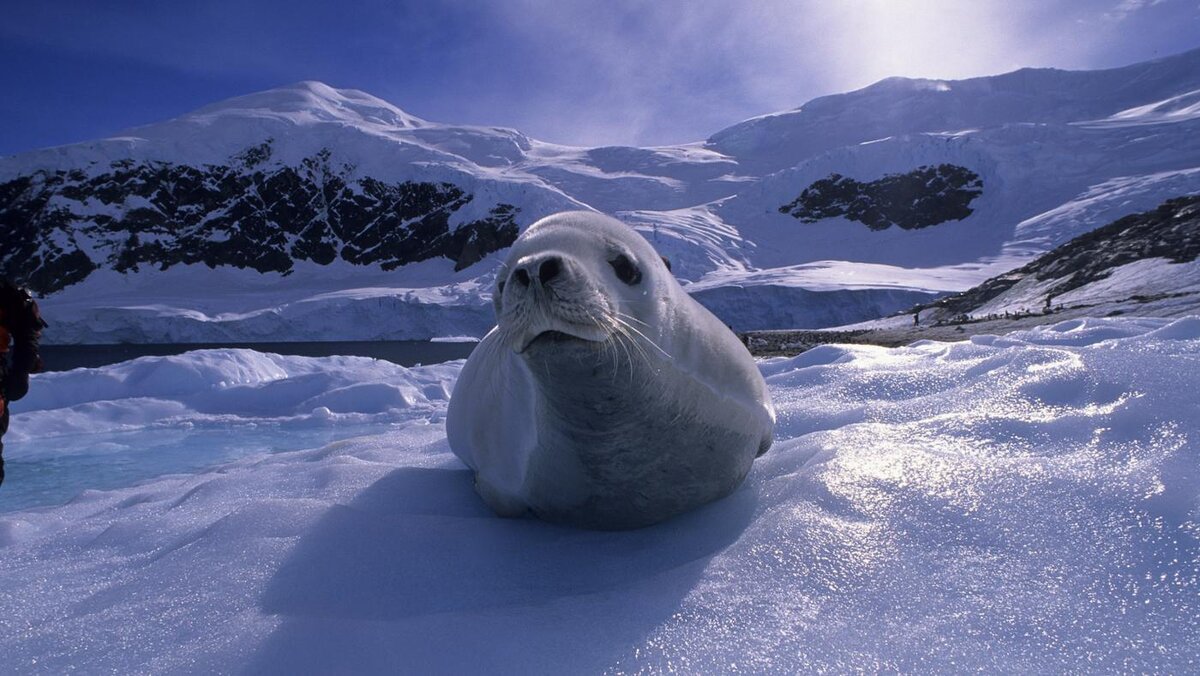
{"points": [[402, 352], [787, 343]]}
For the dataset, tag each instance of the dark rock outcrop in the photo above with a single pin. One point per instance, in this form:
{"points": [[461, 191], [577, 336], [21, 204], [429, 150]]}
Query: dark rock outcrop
{"points": [[918, 199], [60, 226]]}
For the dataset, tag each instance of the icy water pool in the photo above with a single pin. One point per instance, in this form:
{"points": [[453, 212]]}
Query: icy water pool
{"points": [[119, 422], [101, 462]]}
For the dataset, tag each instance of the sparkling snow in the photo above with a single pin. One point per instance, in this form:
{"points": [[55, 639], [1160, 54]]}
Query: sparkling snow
{"points": [[1019, 503]]}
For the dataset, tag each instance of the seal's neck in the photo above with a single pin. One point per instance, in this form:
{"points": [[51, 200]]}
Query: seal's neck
{"points": [[590, 387]]}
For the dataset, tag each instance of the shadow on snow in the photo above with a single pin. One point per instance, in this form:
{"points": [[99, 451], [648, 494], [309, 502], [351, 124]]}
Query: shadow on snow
{"points": [[417, 574]]}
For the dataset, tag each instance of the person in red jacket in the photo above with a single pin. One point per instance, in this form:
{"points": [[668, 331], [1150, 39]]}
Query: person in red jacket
{"points": [[20, 324]]}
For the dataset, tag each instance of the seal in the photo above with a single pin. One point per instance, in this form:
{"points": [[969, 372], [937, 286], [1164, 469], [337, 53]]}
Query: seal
{"points": [[605, 397]]}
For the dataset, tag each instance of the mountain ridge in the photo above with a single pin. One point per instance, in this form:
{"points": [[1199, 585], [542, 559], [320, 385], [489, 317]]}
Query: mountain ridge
{"points": [[1121, 142]]}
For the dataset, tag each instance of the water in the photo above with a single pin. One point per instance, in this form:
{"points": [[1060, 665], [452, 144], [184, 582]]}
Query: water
{"points": [[117, 459], [402, 352], [106, 461]]}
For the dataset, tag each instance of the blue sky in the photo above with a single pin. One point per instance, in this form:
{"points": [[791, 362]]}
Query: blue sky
{"points": [[569, 71]]}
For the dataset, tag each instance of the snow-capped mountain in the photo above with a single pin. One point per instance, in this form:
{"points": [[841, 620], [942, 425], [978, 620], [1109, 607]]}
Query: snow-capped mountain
{"points": [[269, 214], [898, 106]]}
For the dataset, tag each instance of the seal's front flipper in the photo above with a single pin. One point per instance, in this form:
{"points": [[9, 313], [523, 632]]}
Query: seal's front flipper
{"points": [[501, 503], [765, 444]]}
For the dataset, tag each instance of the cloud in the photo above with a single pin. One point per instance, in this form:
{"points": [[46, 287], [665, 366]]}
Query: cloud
{"points": [[1124, 8]]}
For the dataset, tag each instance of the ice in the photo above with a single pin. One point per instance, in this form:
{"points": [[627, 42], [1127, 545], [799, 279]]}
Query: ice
{"points": [[107, 427], [109, 460], [1025, 503]]}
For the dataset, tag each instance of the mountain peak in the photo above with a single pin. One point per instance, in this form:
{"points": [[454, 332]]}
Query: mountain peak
{"points": [[310, 101], [900, 105]]}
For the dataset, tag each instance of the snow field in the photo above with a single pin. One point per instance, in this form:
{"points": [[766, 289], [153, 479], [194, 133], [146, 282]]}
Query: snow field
{"points": [[1019, 503]]}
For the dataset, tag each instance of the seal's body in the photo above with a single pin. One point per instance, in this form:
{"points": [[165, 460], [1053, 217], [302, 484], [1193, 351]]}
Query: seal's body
{"points": [[606, 397]]}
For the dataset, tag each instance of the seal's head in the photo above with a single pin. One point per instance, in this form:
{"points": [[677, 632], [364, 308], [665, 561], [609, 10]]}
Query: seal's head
{"points": [[578, 276]]}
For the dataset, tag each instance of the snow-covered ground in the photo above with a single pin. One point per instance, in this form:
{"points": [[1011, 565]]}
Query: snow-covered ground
{"points": [[1025, 503]]}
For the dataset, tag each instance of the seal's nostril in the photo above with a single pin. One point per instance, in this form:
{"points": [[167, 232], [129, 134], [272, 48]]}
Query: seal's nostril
{"points": [[549, 269], [521, 276]]}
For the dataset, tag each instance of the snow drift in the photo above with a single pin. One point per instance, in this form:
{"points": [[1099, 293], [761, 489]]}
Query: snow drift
{"points": [[1019, 503]]}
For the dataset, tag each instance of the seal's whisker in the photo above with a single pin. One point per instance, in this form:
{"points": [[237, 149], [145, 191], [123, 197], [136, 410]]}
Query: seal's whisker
{"points": [[490, 352], [634, 329], [630, 317], [634, 343], [610, 347], [619, 345], [621, 334], [610, 351], [631, 346], [630, 332]]}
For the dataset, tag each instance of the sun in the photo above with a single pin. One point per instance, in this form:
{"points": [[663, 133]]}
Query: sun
{"points": [[935, 39]]}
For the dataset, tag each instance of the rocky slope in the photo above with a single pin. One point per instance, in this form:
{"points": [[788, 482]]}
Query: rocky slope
{"points": [[1144, 264], [237, 214], [1110, 263]]}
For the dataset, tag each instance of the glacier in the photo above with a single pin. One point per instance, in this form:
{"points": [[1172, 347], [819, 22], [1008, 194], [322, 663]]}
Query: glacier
{"points": [[1025, 503]]}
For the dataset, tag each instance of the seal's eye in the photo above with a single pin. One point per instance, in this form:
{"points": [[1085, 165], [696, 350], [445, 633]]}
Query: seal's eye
{"points": [[626, 270]]}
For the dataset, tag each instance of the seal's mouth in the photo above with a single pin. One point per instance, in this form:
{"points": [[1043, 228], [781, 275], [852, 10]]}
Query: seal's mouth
{"points": [[557, 338]]}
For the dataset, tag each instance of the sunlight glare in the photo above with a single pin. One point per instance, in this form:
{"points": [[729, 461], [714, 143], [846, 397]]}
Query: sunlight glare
{"points": [[935, 39]]}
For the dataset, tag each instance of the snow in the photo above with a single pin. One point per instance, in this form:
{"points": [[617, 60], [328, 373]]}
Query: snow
{"points": [[1019, 503], [1103, 203], [153, 415], [1150, 277], [309, 100], [1059, 153], [1181, 107]]}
